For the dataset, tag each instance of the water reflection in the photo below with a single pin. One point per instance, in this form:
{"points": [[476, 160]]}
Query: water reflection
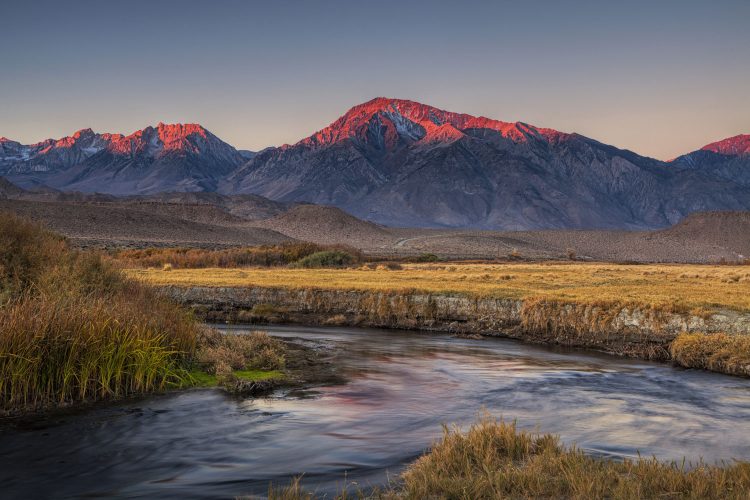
{"points": [[401, 387]]}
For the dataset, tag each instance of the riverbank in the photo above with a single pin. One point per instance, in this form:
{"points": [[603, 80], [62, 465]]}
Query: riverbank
{"points": [[695, 316], [298, 366]]}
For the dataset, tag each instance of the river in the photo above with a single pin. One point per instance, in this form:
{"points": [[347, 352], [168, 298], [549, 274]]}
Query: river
{"points": [[401, 386]]}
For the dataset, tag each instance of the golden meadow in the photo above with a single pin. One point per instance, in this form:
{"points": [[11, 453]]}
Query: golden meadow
{"points": [[659, 285]]}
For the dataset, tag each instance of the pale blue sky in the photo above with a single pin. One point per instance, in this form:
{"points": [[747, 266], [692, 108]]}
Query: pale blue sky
{"points": [[660, 78]]}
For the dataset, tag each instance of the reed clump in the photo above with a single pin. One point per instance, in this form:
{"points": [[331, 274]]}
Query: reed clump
{"points": [[73, 328]]}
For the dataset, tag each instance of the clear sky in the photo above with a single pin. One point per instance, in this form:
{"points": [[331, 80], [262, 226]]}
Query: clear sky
{"points": [[660, 77]]}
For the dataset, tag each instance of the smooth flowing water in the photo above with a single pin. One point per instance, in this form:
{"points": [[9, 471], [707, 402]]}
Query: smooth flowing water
{"points": [[401, 387]]}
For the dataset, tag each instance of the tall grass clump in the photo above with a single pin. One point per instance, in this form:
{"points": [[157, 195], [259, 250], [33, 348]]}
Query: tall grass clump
{"points": [[73, 328], [496, 460], [225, 353]]}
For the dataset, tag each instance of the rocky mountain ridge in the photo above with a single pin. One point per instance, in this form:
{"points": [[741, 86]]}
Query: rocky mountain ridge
{"points": [[403, 163], [176, 157]]}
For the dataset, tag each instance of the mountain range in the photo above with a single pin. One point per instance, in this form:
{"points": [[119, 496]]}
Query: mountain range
{"points": [[403, 163], [155, 159]]}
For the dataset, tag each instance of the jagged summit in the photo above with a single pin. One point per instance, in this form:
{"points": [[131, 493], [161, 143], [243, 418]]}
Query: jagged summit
{"points": [[189, 137], [167, 157], [386, 122]]}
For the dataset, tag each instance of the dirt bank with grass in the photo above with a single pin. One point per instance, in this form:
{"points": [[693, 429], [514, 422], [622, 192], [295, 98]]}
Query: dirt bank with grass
{"points": [[717, 340]]}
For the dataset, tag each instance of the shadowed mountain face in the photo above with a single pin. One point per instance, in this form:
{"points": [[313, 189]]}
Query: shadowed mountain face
{"points": [[164, 158], [728, 159], [404, 163]]}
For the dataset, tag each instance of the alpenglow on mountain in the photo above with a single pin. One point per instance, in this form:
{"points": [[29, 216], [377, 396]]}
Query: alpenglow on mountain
{"points": [[403, 163], [156, 159]]}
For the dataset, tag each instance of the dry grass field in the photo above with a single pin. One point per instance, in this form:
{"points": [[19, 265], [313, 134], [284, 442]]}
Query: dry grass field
{"points": [[679, 287]]}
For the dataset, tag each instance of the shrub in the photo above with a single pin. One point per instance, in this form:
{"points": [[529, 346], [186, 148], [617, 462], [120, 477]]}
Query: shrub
{"points": [[327, 258], [426, 257], [193, 258], [389, 266]]}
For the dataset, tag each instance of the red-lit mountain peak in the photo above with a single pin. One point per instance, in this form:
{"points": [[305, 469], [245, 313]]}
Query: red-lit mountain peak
{"points": [[385, 122], [85, 134], [178, 137], [178, 132], [737, 145]]}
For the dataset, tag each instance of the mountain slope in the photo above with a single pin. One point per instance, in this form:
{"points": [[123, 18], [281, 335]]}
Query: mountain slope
{"points": [[727, 159], [403, 163], [162, 158], [328, 225]]}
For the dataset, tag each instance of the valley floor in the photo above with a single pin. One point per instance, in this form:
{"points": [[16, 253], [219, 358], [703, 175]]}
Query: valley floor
{"points": [[206, 223]]}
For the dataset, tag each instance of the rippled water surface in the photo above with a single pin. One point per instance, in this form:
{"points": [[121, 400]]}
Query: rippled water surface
{"points": [[401, 387]]}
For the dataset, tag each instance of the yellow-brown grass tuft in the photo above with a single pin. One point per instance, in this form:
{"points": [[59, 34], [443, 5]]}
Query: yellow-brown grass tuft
{"points": [[718, 352], [496, 460], [257, 351]]}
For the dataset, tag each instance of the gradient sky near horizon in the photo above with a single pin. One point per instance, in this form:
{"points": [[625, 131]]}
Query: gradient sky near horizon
{"points": [[661, 78]]}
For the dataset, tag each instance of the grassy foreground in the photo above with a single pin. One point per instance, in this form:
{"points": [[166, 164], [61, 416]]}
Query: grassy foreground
{"points": [[494, 460], [73, 328], [670, 286]]}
